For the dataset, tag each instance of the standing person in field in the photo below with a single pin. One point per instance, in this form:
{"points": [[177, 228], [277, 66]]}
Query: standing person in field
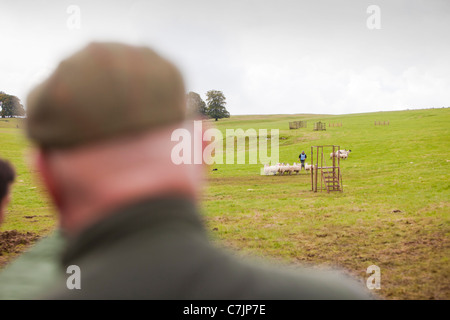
{"points": [[302, 157], [103, 125], [7, 176]]}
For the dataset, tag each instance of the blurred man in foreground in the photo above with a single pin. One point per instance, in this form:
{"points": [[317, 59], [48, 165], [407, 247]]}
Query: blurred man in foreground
{"points": [[103, 124]]}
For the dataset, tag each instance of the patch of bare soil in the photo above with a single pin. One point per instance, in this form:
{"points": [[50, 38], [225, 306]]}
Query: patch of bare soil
{"points": [[13, 242]]}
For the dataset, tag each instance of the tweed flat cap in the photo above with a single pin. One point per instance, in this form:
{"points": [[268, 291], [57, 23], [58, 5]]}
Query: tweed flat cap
{"points": [[103, 91]]}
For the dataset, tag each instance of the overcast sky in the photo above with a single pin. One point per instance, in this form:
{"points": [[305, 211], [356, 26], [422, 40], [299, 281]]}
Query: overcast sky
{"points": [[266, 56]]}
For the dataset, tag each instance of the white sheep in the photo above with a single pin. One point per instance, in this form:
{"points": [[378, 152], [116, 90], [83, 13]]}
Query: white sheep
{"points": [[296, 168], [284, 168], [342, 154], [290, 169], [271, 170]]}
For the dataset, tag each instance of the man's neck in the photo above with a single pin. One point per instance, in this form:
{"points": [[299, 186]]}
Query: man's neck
{"points": [[100, 199]]}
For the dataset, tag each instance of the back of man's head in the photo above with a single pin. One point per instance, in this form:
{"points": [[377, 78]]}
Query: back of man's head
{"points": [[104, 91], [103, 123]]}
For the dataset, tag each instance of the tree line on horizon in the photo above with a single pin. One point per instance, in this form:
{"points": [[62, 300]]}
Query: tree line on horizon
{"points": [[10, 106], [214, 107]]}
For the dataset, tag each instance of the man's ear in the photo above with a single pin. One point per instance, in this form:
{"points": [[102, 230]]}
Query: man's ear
{"points": [[42, 164]]}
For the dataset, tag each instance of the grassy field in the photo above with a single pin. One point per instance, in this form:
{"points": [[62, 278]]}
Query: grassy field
{"points": [[29, 212], [393, 213]]}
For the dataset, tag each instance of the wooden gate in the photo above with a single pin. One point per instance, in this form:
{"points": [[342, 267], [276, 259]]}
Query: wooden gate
{"points": [[330, 170], [318, 126]]}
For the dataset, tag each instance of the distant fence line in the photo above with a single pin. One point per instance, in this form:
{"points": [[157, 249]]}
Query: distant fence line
{"points": [[381, 123]]}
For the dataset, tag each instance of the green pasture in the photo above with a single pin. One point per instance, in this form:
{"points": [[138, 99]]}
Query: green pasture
{"points": [[30, 209], [393, 212]]}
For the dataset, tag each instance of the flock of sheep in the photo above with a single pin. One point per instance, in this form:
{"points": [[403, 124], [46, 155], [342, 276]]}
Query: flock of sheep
{"points": [[286, 168], [282, 168]]}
